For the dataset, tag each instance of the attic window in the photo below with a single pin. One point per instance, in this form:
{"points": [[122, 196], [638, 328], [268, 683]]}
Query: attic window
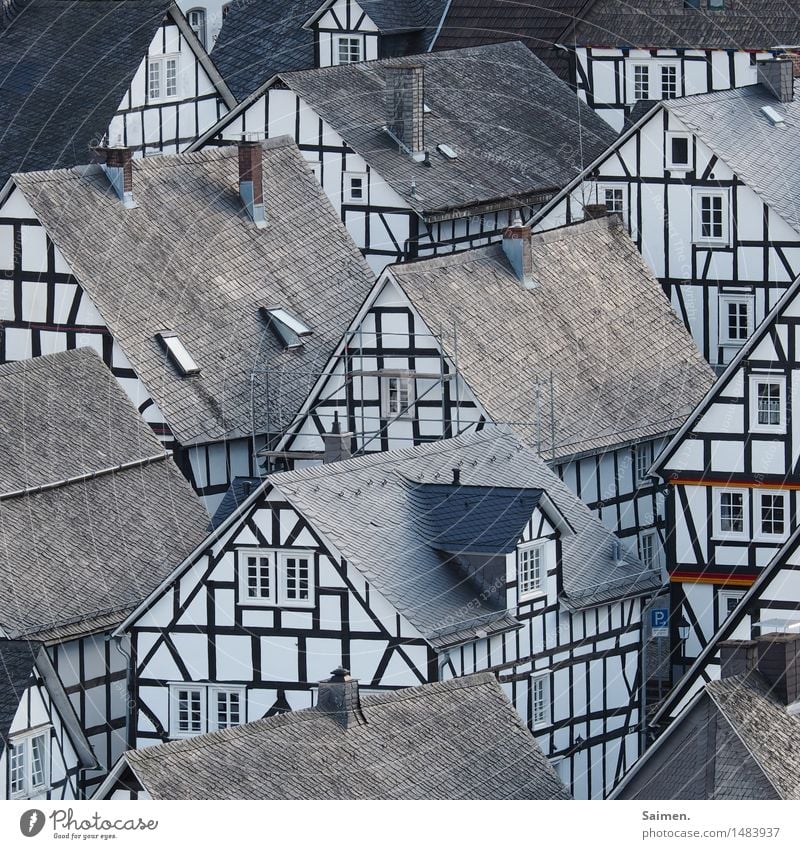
{"points": [[447, 151], [289, 329], [178, 353]]}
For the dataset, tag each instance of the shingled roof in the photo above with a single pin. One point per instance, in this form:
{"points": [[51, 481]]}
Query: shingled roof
{"points": [[85, 541], [65, 66], [190, 261], [460, 739], [264, 37], [623, 367]]}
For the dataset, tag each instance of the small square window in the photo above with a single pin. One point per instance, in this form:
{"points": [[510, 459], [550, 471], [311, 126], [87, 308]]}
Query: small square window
{"points": [[614, 199], [641, 82], [728, 602], [767, 403], [540, 701], [679, 151], [397, 398], [349, 50], [355, 188], [531, 570], [772, 514], [730, 516], [735, 319], [710, 217], [669, 82]]}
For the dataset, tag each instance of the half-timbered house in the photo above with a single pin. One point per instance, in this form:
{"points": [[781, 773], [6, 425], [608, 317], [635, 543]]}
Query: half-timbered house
{"points": [[75, 72], [429, 154], [707, 186], [406, 567], [617, 54], [564, 335], [264, 38], [454, 739], [732, 477], [93, 515], [189, 288], [43, 748]]}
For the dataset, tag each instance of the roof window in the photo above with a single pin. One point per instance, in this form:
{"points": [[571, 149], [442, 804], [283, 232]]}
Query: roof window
{"points": [[289, 329], [178, 353]]}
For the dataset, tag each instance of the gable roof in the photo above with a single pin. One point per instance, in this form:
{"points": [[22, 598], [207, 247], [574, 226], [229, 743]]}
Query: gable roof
{"points": [[65, 66], [89, 540], [265, 37], [459, 739], [623, 367], [188, 259]]}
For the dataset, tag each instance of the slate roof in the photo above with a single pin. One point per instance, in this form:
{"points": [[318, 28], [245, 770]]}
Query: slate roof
{"points": [[763, 155], [65, 66], [17, 661], [189, 259], [78, 553], [460, 739], [265, 37], [366, 507], [516, 128], [623, 366], [238, 492]]}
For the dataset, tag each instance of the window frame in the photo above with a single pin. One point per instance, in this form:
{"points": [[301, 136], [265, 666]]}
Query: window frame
{"points": [[722, 598], [546, 719], [753, 382], [640, 66], [524, 549], [697, 217], [278, 595], [671, 165], [199, 10], [161, 60], [727, 299], [352, 38], [385, 389], [758, 518], [283, 599], [602, 188], [174, 708], [349, 176], [652, 534], [642, 449], [675, 66], [23, 742], [214, 691], [717, 516]]}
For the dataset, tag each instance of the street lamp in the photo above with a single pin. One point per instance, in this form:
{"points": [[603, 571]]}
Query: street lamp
{"points": [[683, 636]]}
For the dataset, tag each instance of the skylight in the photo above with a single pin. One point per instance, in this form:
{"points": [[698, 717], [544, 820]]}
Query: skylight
{"points": [[774, 117], [447, 151], [290, 329], [179, 354]]}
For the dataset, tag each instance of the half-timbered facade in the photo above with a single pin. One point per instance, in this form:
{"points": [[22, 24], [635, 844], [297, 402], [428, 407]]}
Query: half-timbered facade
{"points": [[430, 154], [93, 514], [43, 749], [427, 357], [616, 54], [405, 571], [163, 310], [705, 186], [732, 477]]}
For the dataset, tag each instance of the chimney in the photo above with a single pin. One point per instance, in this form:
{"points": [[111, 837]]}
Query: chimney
{"points": [[737, 657], [779, 665], [593, 211], [777, 76], [338, 697], [517, 248], [456, 477], [119, 170], [251, 181], [405, 106], [336, 444]]}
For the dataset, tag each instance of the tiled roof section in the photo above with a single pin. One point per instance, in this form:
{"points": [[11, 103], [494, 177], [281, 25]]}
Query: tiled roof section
{"points": [[515, 127], [238, 492], [770, 733], [65, 66], [17, 662], [362, 506], [538, 24], [479, 519], [623, 366], [188, 259], [52, 432], [746, 24], [460, 739], [265, 37], [107, 514], [763, 155]]}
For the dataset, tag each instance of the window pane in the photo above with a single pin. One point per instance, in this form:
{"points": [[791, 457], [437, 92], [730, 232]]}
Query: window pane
{"points": [[258, 577], [172, 77], [349, 50], [155, 79], [769, 404], [680, 151], [17, 768], [772, 514], [738, 321], [641, 82], [38, 754], [613, 200], [669, 83], [732, 512], [539, 700], [190, 713], [530, 570]]}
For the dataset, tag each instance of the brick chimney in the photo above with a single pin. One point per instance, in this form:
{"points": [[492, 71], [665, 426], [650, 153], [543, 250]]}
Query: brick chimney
{"points": [[777, 76], [337, 444], [779, 665], [251, 181], [517, 248], [593, 211], [737, 657], [119, 170], [405, 105], [338, 697]]}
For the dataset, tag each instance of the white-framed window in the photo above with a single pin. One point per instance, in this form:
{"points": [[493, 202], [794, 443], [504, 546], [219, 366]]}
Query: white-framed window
{"points": [[711, 216], [296, 578], [669, 81], [767, 403], [29, 764], [614, 199], [197, 21], [730, 513], [679, 151], [728, 602], [650, 549], [355, 187], [162, 77], [771, 514], [397, 396], [641, 82], [540, 700], [270, 578], [348, 49], [531, 569], [200, 708], [735, 319], [643, 459], [257, 583]]}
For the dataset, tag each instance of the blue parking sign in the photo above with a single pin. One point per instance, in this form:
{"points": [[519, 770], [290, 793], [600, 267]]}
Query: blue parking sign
{"points": [[659, 621]]}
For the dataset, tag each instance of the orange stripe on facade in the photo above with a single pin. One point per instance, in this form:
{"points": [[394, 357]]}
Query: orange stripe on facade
{"points": [[722, 580]]}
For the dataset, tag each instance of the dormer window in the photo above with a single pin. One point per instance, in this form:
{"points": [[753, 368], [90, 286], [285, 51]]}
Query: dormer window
{"points": [[349, 49], [531, 569], [197, 21], [288, 328], [29, 765], [178, 353]]}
